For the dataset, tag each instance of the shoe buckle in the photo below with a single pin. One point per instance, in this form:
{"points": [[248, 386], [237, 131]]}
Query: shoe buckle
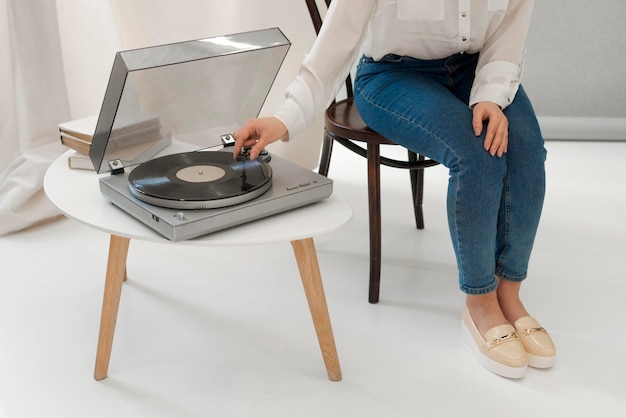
{"points": [[529, 331], [494, 343]]}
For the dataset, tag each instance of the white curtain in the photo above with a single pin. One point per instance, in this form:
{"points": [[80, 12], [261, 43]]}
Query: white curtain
{"points": [[33, 100], [55, 58]]}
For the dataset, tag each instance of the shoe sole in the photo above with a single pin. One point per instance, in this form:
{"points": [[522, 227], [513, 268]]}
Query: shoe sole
{"points": [[489, 364], [540, 362]]}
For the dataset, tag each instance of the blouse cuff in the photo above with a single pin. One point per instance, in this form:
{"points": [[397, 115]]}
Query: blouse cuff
{"points": [[496, 82], [297, 105], [290, 115]]}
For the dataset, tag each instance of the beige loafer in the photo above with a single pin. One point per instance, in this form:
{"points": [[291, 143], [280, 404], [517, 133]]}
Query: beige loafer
{"points": [[539, 347], [501, 351]]}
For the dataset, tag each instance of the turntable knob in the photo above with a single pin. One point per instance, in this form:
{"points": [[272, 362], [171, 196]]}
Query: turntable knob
{"points": [[180, 216]]}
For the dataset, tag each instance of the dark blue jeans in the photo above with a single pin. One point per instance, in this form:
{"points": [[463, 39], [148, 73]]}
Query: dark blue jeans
{"points": [[494, 204]]}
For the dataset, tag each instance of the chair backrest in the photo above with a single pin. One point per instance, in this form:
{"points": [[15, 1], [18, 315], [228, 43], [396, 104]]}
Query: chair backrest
{"points": [[316, 19]]}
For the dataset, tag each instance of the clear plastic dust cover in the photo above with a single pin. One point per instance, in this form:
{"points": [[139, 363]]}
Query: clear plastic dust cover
{"points": [[183, 96]]}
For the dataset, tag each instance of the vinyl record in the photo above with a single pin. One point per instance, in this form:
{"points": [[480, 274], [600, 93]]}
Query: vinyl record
{"points": [[199, 180]]}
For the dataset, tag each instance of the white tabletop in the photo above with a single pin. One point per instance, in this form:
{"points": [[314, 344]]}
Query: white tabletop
{"points": [[77, 194]]}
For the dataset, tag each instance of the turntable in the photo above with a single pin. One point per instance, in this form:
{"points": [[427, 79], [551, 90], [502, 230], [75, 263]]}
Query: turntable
{"points": [[163, 136]]}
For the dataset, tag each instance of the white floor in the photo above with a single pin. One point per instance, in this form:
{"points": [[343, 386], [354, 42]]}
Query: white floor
{"points": [[219, 333]]}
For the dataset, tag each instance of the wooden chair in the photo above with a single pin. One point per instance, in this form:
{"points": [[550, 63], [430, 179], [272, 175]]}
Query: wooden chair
{"points": [[343, 124]]}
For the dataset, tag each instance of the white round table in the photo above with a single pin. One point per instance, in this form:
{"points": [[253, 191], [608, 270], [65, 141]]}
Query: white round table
{"points": [[76, 194]]}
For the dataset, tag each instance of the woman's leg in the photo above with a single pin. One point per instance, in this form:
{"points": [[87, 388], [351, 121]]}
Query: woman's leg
{"points": [[410, 102], [494, 203], [521, 205]]}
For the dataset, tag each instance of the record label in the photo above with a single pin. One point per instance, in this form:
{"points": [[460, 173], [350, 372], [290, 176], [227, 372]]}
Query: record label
{"points": [[200, 173], [199, 180]]}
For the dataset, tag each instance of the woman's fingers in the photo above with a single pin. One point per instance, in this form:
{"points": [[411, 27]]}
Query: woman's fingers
{"points": [[497, 134], [257, 134]]}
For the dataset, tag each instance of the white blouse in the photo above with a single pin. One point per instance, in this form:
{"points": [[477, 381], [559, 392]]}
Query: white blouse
{"points": [[424, 29]]}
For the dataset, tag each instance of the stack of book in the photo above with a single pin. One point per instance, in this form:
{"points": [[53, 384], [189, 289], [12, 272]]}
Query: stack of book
{"points": [[136, 136], [77, 134]]}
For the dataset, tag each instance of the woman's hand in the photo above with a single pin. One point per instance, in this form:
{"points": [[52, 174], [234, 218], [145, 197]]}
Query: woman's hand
{"points": [[257, 134], [497, 135]]}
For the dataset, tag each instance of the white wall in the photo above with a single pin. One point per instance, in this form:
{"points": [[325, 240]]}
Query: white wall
{"points": [[575, 68]]}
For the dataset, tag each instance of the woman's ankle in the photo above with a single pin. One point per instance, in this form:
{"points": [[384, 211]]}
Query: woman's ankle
{"points": [[509, 300], [485, 311]]}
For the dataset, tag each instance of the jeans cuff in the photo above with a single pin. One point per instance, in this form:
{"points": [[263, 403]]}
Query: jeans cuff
{"points": [[510, 277], [479, 290]]}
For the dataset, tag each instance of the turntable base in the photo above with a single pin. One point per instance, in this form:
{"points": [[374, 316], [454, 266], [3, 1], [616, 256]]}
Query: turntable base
{"points": [[76, 194], [292, 186]]}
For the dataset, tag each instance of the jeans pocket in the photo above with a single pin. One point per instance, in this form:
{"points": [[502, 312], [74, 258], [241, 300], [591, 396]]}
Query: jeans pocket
{"points": [[392, 58], [386, 59]]}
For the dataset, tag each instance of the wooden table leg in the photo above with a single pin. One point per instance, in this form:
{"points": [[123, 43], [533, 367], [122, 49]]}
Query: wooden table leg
{"points": [[312, 280], [115, 276]]}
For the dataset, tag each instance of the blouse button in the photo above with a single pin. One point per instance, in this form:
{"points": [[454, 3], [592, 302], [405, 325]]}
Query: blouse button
{"points": [[464, 39], [464, 14]]}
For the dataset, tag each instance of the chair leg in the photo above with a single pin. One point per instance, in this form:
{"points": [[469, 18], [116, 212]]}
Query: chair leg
{"points": [[327, 150], [373, 182], [417, 188]]}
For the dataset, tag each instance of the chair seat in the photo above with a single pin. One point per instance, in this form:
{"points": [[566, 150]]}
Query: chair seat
{"points": [[344, 124], [343, 120]]}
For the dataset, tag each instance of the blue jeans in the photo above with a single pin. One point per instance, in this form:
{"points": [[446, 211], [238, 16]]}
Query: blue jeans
{"points": [[494, 204]]}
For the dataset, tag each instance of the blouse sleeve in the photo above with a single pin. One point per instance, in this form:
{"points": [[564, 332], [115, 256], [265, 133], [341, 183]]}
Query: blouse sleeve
{"points": [[327, 64], [499, 70]]}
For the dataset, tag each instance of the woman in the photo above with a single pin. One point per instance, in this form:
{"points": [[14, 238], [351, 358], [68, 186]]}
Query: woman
{"points": [[442, 78]]}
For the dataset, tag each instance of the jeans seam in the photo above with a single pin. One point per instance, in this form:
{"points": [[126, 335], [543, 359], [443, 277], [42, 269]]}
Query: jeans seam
{"points": [[501, 262], [507, 224]]}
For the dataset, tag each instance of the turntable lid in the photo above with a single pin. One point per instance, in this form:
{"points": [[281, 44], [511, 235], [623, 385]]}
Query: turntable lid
{"points": [[183, 96]]}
